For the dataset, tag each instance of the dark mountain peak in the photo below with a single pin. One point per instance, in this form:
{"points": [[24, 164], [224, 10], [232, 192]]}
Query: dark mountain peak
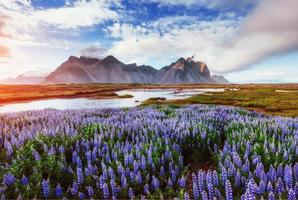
{"points": [[88, 61], [73, 58], [110, 60], [179, 64], [181, 60]]}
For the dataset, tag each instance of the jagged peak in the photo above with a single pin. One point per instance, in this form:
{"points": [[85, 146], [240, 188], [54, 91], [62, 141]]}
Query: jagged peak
{"points": [[110, 59], [73, 58]]}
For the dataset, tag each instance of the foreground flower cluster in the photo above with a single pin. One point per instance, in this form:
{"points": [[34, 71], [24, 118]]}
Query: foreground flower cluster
{"points": [[148, 153]]}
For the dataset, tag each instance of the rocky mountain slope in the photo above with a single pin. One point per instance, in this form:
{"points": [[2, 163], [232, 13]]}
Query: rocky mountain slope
{"points": [[220, 79], [111, 70]]}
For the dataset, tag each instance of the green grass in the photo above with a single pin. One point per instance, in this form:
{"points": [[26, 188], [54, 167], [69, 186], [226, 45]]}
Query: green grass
{"points": [[265, 100]]}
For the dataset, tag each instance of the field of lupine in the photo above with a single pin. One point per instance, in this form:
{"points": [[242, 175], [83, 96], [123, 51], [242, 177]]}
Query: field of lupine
{"points": [[148, 153]]}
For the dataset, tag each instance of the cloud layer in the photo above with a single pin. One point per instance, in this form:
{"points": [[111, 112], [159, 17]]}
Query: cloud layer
{"points": [[270, 30], [225, 43], [94, 51], [228, 35]]}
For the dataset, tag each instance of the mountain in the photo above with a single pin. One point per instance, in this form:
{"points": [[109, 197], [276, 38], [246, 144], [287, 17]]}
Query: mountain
{"points": [[108, 70], [219, 79], [111, 70], [24, 79], [185, 71]]}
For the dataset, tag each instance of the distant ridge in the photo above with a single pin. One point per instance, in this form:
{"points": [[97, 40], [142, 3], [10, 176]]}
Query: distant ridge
{"points": [[111, 70]]}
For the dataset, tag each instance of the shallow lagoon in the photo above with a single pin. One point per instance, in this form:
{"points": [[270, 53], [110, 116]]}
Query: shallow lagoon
{"points": [[139, 95]]}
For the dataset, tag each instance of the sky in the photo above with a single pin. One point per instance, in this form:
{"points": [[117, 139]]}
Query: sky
{"points": [[247, 41]]}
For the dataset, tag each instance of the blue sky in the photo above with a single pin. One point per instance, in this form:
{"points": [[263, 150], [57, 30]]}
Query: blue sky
{"points": [[239, 39]]}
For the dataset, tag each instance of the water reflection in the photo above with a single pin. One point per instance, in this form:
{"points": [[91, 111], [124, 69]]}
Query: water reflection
{"points": [[80, 103]]}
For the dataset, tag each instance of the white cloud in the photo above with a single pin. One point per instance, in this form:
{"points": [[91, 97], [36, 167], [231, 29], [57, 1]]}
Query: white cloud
{"points": [[34, 36], [80, 14], [94, 51], [226, 43], [270, 30], [163, 41]]}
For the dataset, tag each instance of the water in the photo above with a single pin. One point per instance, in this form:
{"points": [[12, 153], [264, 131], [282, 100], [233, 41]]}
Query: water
{"points": [[80, 103]]}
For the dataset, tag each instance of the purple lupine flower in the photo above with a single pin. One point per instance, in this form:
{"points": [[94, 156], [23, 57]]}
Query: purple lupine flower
{"points": [[195, 191], [88, 155], [224, 176], [80, 176], [288, 176], [58, 190], [146, 189], [291, 194], [8, 179], [173, 175], [111, 173], [182, 182], [296, 188], [186, 196], [270, 187], [132, 177], [249, 195], [162, 171], [131, 194], [90, 191], [194, 178], [229, 191], [271, 196], [218, 194], [139, 179], [238, 179], [246, 166], [79, 163], [135, 166], [204, 195], [272, 174], [252, 187], [210, 190], [279, 187], [262, 187], [45, 188], [75, 188], [104, 174], [264, 177], [123, 181], [279, 171], [81, 195], [149, 153], [209, 177], [143, 162], [201, 181], [105, 190], [155, 183], [74, 157], [36, 155], [24, 180], [113, 188], [215, 178]]}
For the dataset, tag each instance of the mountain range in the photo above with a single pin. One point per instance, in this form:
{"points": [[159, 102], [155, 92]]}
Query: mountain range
{"points": [[111, 70]]}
